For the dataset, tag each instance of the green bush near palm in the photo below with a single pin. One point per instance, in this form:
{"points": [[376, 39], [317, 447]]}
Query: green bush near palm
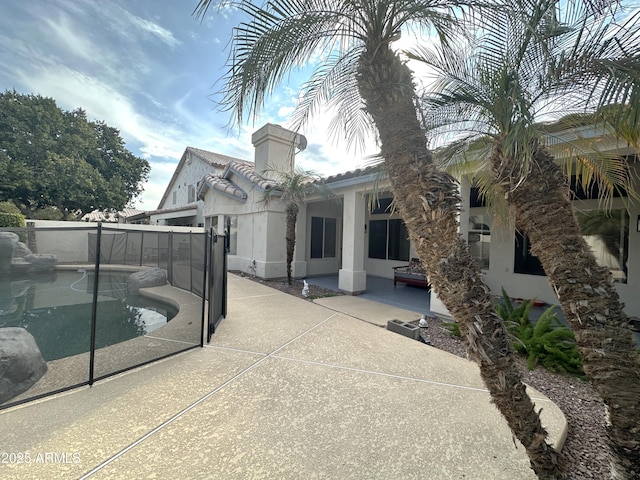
{"points": [[453, 327], [546, 341], [11, 220]]}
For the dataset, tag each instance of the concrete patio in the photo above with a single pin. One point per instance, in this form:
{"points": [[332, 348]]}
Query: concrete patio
{"points": [[287, 389]]}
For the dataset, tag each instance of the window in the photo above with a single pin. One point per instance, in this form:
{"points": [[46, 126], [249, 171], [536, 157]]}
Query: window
{"points": [[388, 240], [378, 239], [381, 205], [476, 198], [398, 241], [323, 237], [174, 197], [607, 233], [192, 193], [525, 261], [479, 239]]}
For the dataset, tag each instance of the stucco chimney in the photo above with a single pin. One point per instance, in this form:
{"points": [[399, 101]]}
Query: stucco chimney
{"points": [[275, 149]]}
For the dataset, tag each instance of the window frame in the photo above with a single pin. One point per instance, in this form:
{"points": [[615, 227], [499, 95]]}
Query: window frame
{"points": [[323, 243]]}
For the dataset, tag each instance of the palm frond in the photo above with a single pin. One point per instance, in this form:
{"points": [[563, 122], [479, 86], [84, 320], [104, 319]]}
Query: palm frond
{"points": [[294, 187], [333, 85]]}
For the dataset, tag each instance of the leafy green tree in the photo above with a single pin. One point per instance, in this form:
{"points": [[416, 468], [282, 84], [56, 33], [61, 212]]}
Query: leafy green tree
{"points": [[8, 207], [55, 158], [292, 190], [492, 93], [365, 79]]}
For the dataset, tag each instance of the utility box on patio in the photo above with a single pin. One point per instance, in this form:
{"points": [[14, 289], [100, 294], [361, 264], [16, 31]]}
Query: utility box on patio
{"points": [[403, 328]]}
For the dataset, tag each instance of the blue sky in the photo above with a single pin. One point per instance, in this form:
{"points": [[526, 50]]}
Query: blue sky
{"points": [[149, 69]]}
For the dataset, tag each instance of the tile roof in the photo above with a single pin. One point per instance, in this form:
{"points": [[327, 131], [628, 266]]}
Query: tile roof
{"points": [[352, 174], [129, 212], [223, 185], [248, 171], [106, 217], [189, 206], [212, 158]]}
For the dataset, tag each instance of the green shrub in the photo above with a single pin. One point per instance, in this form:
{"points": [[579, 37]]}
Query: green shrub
{"points": [[546, 342], [453, 327], [12, 220], [8, 207]]}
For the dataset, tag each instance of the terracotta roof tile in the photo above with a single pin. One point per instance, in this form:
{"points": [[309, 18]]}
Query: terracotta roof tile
{"points": [[223, 185], [212, 158]]}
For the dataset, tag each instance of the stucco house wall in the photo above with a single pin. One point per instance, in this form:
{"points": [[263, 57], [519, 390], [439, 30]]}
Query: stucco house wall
{"points": [[258, 231], [518, 285]]}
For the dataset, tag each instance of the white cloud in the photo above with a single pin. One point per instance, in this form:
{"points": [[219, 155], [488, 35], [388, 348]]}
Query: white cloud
{"points": [[73, 39], [285, 112], [148, 76], [151, 29], [73, 89]]}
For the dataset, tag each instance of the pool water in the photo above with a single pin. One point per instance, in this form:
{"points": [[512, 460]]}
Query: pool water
{"points": [[56, 309]]}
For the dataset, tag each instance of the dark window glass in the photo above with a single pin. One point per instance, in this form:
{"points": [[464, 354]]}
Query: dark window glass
{"points": [[607, 234], [476, 199], [525, 261], [378, 239], [398, 241], [382, 205], [330, 237], [317, 233], [590, 191]]}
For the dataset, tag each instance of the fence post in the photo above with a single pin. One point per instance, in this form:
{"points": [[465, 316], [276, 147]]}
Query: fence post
{"points": [[224, 281], [141, 248], [170, 257], [94, 307], [205, 287]]}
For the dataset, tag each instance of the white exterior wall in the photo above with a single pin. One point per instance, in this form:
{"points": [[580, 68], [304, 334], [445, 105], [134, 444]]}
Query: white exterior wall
{"points": [[275, 150], [517, 285], [192, 171], [261, 231]]}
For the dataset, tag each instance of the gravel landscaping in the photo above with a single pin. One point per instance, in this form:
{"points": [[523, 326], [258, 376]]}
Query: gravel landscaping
{"points": [[585, 452]]}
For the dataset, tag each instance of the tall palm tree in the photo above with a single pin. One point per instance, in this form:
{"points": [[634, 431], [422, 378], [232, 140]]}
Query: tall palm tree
{"points": [[368, 83], [493, 90], [292, 189]]}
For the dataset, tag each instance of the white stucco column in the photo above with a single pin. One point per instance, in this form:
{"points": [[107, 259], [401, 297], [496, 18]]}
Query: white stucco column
{"points": [[352, 277], [436, 306]]}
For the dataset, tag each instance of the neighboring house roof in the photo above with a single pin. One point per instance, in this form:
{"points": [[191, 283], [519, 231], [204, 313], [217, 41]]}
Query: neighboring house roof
{"points": [[189, 206], [106, 217], [215, 160], [130, 212]]}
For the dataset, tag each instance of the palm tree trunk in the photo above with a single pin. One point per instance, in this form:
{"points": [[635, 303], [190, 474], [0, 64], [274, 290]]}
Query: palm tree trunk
{"points": [[590, 304], [428, 201], [291, 217]]}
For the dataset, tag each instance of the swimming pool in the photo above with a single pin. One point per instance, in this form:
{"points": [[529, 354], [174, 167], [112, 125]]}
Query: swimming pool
{"points": [[56, 309]]}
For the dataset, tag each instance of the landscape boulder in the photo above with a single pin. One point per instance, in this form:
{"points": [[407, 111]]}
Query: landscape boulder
{"points": [[8, 241], [41, 262], [21, 363], [154, 277], [20, 250]]}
